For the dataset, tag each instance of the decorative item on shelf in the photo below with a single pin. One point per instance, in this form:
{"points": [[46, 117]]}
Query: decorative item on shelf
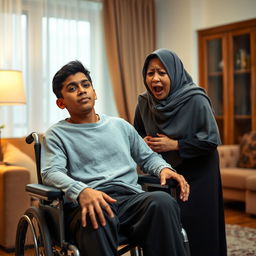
{"points": [[11, 92], [242, 60], [220, 65]]}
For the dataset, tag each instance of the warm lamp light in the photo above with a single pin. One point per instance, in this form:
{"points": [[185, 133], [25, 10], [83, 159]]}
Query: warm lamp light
{"points": [[11, 91], [11, 88]]}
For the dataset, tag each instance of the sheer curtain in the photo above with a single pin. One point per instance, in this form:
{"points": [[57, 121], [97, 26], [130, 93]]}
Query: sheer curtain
{"points": [[12, 57], [56, 32]]}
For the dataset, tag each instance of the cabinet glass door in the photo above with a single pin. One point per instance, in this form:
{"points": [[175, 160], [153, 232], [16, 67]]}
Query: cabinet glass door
{"points": [[242, 85], [215, 78]]}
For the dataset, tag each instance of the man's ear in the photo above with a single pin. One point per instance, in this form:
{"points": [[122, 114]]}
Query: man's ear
{"points": [[95, 97], [60, 103]]}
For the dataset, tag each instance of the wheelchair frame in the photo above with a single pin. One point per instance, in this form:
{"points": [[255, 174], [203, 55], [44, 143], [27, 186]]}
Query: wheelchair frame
{"points": [[46, 221]]}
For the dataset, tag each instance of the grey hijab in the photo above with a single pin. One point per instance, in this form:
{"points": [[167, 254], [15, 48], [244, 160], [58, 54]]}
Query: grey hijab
{"points": [[182, 86], [175, 116]]}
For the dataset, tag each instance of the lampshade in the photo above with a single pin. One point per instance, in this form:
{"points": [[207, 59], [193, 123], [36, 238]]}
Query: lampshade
{"points": [[11, 88]]}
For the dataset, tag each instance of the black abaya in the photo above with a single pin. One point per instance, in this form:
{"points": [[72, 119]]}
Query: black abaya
{"points": [[186, 116]]}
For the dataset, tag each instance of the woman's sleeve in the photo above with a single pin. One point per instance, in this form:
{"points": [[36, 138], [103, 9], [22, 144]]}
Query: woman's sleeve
{"points": [[195, 148], [204, 136], [138, 123]]}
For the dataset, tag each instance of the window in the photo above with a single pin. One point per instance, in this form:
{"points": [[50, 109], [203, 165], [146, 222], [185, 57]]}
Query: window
{"points": [[53, 33]]}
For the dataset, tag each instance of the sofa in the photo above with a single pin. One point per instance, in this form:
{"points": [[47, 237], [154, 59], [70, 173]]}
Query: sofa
{"points": [[19, 169], [239, 184]]}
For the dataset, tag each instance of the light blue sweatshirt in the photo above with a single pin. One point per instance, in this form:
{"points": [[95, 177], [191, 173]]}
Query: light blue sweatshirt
{"points": [[96, 155]]}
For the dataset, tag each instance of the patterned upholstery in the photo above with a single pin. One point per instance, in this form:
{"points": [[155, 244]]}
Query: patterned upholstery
{"points": [[247, 157], [229, 155], [238, 184]]}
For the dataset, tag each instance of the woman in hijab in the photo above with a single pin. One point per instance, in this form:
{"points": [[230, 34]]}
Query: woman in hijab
{"points": [[175, 118]]}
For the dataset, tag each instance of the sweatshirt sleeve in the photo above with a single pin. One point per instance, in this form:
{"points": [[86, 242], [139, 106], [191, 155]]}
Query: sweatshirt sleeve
{"points": [[53, 167]]}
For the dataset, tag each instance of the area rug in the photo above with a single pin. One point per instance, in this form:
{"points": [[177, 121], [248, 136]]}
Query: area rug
{"points": [[241, 241]]}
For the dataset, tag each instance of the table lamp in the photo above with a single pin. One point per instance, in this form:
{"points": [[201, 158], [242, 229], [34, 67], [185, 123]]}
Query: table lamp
{"points": [[11, 92]]}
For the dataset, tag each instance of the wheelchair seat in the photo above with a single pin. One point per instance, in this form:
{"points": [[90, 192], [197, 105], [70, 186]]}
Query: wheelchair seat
{"points": [[41, 229]]}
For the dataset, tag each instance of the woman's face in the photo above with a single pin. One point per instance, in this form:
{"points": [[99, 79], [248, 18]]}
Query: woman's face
{"points": [[157, 79]]}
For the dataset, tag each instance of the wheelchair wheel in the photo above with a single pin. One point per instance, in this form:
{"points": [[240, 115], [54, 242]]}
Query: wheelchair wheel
{"points": [[36, 239]]}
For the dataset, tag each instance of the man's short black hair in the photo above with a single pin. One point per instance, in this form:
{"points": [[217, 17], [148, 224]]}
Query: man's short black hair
{"points": [[70, 68]]}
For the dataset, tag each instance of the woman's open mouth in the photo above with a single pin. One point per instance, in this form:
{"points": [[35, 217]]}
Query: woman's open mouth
{"points": [[157, 90]]}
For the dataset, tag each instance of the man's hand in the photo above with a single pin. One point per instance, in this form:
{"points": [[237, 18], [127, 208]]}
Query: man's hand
{"points": [[162, 143], [92, 202], [166, 173]]}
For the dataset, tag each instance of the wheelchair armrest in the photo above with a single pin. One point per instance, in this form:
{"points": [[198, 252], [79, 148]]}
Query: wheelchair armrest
{"points": [[44, 192], [153, 180]]}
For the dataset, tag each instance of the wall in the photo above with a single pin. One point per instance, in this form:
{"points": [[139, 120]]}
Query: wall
{"points": [[178, 20]]}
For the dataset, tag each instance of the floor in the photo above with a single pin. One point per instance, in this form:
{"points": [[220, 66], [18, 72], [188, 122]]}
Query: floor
{"points": [[234, 214]]}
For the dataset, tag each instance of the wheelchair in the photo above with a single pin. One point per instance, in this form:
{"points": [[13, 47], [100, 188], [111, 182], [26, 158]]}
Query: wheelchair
{"points": [[41, 229]]}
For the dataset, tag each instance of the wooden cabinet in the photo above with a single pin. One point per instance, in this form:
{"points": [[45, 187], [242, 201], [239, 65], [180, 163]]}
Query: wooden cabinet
{"points": [[227, 70]]}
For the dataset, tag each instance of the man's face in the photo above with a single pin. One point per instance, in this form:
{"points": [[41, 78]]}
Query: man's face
{"points": [[78, 95], [158, 80]]}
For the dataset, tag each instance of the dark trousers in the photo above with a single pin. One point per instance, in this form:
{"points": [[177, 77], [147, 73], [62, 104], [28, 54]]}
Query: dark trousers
{"points": [[149, 219]]}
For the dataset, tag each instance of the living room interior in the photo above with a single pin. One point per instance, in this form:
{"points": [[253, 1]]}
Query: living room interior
{"points": [[179, 25]]}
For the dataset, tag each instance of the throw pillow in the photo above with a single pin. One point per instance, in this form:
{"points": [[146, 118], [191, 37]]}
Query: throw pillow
{"points": [[247, 157], [14, 156]]}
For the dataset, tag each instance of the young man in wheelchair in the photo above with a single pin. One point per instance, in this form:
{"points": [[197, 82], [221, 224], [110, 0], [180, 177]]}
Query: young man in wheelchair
{"points": [[93, 159]]}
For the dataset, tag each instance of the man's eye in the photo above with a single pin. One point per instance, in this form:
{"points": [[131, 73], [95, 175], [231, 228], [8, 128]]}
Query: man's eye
{"points": [[86, 85], [71, 88]]}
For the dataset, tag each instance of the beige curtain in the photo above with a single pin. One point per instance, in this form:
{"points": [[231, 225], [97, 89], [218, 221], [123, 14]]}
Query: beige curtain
{"points": [[129, 27]]}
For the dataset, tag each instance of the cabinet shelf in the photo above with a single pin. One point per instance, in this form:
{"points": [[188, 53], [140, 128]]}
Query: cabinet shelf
{"points": [[240, 117], [214, 74], [242, 71]]}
